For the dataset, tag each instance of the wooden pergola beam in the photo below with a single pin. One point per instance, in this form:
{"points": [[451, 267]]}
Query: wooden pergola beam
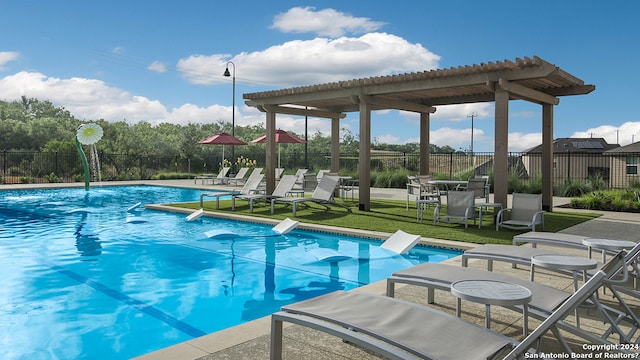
{"points": [[398, 104], [301, 112], [526, 93]]}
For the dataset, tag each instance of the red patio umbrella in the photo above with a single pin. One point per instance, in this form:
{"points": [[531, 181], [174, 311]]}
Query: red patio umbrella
{"points": [[282, 137], [222, 139]]}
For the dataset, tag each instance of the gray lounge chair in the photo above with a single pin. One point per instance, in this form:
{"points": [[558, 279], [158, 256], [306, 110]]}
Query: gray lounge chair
{"points": [[239, 178], [282, 190], [221, 178], [323, 195], [402, 330], [440, 277], [505, 253], [251, 186], [550, 238]]}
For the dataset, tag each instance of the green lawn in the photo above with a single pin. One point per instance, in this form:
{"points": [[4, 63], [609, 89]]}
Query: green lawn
{"points": [[391, 215]]}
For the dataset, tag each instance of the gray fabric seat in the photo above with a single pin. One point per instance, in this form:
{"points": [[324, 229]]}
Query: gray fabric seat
{"points": [[412, 330], [440, 276], [398, 329]]}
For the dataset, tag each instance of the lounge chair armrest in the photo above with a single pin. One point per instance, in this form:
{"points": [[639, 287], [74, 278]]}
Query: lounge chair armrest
{"points": [[436, 214], [500, 217]]}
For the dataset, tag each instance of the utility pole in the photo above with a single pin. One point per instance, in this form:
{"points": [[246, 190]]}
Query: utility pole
{"points": [[472, 116], [473, 158]]}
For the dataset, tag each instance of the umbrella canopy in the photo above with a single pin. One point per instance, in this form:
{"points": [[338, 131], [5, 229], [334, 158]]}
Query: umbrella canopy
{"points": [[222, 139], [282, 137]]}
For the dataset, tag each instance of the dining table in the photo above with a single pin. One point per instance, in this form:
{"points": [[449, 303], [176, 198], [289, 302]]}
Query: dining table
{"points": [[446, 185]]}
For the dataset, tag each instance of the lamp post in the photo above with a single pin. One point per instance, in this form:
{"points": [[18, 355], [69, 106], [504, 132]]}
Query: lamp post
{"points": [[233, 109]]}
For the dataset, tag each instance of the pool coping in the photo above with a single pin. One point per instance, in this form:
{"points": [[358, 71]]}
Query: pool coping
{"points": [[220, 340]]}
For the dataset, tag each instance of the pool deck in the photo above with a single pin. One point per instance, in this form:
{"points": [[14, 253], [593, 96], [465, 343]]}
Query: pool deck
{"points": [[251, 340]]}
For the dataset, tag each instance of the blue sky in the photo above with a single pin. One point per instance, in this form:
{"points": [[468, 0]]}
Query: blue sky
{"points": [[162, 61]]}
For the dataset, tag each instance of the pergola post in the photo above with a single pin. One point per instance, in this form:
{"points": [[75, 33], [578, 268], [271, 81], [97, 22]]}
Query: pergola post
{"points": [[547, 157], [424, 143], [364, 176], [270, 152], [501, 145], [335, 145]]}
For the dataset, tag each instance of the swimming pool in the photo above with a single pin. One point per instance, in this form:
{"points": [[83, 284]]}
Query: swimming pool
{"points": [[79, 281]]}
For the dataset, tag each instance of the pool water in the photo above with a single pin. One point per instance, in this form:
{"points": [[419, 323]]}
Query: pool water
{"points": [[82, 278]]}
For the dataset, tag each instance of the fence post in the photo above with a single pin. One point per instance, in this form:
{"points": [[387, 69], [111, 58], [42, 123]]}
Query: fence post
{"points": [[451, 165], [569, 165]]}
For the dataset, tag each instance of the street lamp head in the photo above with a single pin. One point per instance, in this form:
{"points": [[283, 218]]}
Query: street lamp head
{"points": [[226, 70]]}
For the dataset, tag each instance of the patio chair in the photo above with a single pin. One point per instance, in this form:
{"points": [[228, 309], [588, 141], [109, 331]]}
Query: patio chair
{"points": [[479, 187], [525, 213], [282, 190], [399, 329], [419, 187], [323, 195], [239, 178], [221, 178], [250, 186], [460, 208]]}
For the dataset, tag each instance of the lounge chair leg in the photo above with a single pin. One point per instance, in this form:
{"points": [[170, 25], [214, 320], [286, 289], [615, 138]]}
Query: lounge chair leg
{"points": [[276, 340], [294, 209], [391, 288]]}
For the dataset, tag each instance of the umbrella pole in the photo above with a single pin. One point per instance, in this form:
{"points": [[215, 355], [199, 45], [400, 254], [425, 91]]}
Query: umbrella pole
{"points": [[278, 155]]}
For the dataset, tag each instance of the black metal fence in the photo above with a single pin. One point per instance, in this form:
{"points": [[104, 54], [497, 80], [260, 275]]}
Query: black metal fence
{"points": [[614, 171]]}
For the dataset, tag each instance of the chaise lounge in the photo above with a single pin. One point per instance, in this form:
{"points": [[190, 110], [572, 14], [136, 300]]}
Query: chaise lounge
{"points": [[323, 195]]}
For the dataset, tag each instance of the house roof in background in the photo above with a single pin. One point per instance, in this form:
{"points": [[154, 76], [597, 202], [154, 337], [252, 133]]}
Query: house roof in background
{"points": [[577, 145], [631, 148]]}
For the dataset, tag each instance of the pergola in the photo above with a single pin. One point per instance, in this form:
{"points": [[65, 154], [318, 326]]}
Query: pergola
{"points": [[530, 79]]}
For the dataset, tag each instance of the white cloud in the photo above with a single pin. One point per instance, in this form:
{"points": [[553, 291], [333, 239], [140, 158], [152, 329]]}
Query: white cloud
{"points": [[93, 99], [623, 134], [6, 56], [520, 142], [326, 22], [321, 60], [84, 98], [462, 113], [158, 67]]}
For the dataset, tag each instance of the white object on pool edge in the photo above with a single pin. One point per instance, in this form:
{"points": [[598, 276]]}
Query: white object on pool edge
{"points": [[195, 215], [285, 226], [136, 220], [220, 233], [330, 255], [134, 207]]}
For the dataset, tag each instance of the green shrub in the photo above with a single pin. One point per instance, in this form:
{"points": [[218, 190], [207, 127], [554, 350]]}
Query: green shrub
{"points": [[52, 178], [572, 188], [25, 179], [172, 175], [389, 179], [597, 183]]}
